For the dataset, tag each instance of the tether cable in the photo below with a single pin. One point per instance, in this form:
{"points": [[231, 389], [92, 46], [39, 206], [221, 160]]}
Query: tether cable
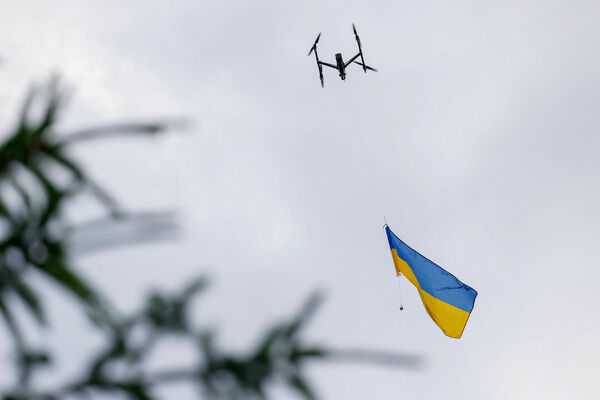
{"points": [[366, 156]]}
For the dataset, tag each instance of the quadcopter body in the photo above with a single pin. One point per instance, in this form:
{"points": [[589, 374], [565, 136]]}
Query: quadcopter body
{"points": [[340, 65]]}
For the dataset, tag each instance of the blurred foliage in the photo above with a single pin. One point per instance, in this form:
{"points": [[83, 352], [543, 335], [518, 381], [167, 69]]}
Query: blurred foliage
{"points": [[36, 242]]}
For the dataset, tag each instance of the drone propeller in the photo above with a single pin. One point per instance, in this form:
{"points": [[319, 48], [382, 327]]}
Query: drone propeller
{"points": [[357, 38], [314, 46], [359, 49], [365, 66]]}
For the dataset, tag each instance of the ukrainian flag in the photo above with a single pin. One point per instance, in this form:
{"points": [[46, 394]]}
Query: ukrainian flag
{"points": [[448, 301]]}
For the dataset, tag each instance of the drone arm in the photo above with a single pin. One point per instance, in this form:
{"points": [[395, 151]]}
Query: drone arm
{"points": [[352, 59], [365, 66], [327, 64]]}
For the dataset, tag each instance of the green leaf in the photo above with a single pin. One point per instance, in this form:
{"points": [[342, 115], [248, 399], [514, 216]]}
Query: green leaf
{"points": [[117, 349], [98, 312], [206, 343], [51, 111], [29, 298], [54, 153], [23, 118], [304, 315], [29, 358], [309, 352], [134, 390], [11, 323], [265, 346], [21, 191], [300, 385], [193, 288], [54, 196], [115, 130], [67, 278]]}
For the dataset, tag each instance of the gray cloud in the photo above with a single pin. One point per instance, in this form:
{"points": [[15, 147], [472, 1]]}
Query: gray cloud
{"points": [[480, 128]]}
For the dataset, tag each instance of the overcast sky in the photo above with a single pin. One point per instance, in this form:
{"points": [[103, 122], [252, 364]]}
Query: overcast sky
{"points": [[480, 128]]}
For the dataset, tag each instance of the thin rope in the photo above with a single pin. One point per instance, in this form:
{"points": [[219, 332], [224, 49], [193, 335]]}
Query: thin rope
{"points": [[366, 156], [399, 279]]}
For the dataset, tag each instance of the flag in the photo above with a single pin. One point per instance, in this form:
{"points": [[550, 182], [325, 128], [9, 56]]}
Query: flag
{"points": [[448, 301]]}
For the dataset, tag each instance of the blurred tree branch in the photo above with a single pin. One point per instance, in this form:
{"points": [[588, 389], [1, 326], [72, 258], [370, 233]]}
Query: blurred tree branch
{"points": [[36, 239]]}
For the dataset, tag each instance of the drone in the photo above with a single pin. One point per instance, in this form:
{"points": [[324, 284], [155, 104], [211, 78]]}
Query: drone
{"points": [[340, 65]]}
